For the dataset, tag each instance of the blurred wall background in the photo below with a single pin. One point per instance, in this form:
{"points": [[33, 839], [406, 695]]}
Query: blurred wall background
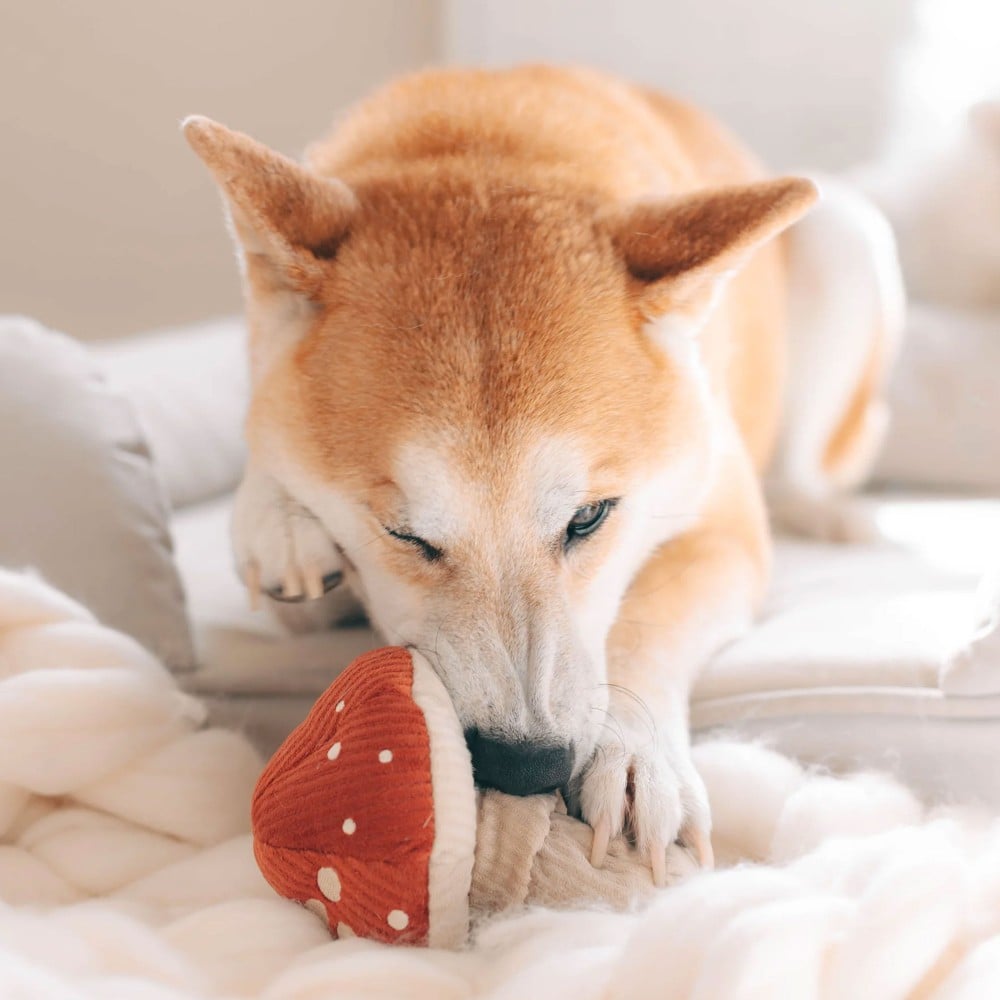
{"points": [[803, 81], [110, 225]]}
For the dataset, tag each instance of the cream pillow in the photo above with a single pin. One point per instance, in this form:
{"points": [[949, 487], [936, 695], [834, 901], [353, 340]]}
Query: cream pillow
{"points": [[80, 501], [190, 388]]}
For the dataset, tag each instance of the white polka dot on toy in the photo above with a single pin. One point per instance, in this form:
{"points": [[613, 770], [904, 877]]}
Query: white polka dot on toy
{"points": [[334, 752], [329, 884], [349, 826], [339, 707], [397, 920], [316, 906], [343, 931], [384, 756]]}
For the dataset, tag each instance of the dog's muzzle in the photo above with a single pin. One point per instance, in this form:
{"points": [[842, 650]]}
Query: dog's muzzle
{"points": [[525, 767]]}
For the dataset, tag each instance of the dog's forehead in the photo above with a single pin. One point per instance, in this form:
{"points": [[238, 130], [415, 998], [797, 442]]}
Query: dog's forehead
{"points": [[453, 487]]}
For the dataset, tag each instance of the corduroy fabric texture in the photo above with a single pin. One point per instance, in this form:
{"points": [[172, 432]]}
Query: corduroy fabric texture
{"points": [[529, 852], [343, 815], [509, 833]]}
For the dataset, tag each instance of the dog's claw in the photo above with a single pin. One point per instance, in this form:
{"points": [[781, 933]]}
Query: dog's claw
{"points": [[291, 587], [658, 864], [251, 578], [315, 586], [698, 839], [313, 583], [602, 837]]}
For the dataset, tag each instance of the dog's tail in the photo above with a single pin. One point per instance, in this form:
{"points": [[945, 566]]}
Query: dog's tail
{"points": [[845, 323]]}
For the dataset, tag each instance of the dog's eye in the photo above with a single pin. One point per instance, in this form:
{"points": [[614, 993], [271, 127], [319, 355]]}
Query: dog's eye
{"points": [[588, 519], [430, 552]]}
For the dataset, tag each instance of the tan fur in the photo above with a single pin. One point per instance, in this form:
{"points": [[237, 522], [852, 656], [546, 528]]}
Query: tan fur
{"points": [[482, 261]]}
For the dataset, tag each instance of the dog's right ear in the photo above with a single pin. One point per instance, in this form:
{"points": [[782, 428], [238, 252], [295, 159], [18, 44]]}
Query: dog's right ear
{"points": [[287, 220], [678, 251]]}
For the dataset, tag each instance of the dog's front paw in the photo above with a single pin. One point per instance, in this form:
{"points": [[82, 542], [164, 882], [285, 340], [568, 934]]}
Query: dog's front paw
{"points": [[281, 548], [653, 796]]}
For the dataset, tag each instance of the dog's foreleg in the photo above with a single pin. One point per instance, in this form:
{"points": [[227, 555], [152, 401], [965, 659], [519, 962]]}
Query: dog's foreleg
{"points": [[696, 593]]}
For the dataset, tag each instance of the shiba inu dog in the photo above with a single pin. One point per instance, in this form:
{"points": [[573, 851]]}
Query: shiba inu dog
{"points": [[518, 355]]}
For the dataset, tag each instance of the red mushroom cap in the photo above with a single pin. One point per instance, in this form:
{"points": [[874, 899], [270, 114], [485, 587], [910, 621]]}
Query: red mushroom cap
{"points": [[345, 816]]}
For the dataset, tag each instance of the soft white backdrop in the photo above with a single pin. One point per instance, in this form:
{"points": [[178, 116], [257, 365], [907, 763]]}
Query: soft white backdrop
{"points": [[803, 81], [108, 222]]}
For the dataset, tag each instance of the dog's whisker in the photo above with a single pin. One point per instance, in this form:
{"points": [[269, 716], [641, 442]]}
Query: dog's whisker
{"points": [[645, 713], [616, 731], [437, 637], [610, 723]]}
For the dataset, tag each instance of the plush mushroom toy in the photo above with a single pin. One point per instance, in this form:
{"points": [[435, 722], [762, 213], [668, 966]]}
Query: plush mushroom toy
{"points": [[368, 815]]}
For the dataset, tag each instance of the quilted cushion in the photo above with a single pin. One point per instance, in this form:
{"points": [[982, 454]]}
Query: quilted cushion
{"points": [[80, 501]]}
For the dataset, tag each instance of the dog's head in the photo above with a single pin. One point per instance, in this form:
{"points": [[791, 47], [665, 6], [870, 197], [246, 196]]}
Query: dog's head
{"points": [[489, 395]]}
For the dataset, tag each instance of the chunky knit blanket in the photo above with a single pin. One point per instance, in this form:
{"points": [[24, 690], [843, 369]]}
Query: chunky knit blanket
{"points": [[126, 870]]}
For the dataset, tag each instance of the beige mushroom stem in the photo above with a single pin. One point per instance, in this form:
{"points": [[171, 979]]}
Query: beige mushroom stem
{"points": [[528, 851]]}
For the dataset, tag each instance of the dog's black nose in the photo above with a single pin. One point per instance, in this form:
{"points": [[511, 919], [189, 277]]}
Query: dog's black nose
{"points": [[525, 767]]}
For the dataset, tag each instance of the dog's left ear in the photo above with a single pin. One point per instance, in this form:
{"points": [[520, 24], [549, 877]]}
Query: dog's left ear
{"points": [[288, 221], [679, 250]]}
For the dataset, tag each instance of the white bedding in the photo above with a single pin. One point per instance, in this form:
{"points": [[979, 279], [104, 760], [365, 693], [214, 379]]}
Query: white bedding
{"points": [[126, 871]]}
